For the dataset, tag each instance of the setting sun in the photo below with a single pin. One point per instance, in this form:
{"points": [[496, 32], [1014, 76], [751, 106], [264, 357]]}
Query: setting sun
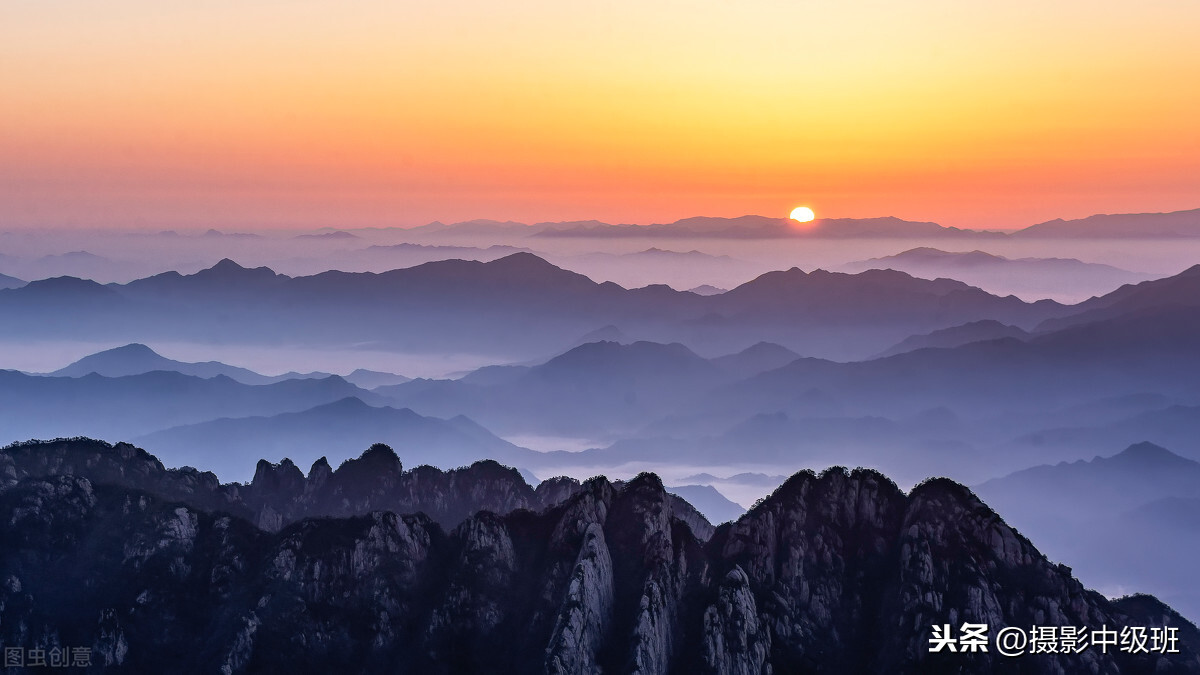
{"points": [[802, 214]]}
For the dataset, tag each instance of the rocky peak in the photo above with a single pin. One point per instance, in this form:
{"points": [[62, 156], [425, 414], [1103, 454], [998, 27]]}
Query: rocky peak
{"points": [[834, 572]]}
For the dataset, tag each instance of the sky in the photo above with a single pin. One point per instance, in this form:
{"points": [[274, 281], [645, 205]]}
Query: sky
{"points": [[306, 113]]}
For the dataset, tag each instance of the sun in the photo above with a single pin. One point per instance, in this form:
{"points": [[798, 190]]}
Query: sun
{"points": [[802, 214]]}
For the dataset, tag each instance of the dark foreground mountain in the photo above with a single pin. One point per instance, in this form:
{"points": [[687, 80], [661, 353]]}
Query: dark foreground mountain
{"points": [[837, 573]]}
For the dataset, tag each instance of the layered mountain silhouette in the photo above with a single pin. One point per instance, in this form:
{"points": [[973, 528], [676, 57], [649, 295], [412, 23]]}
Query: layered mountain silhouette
{"points": [[72, 263], [384, 257], [1030, 278], [337, 235], [840, 572], [1118, 518], [1071, 365], [1176, 426], [1178, 293], [1121, 226], [136, 359], [370, 379], [755, 359], [962, 407], [10, 282], [955, 336], [476, 307], [34, 406], [1128, 225], [591, 389], [335, 430], [762, 227], [682, 269], [708, 501]]}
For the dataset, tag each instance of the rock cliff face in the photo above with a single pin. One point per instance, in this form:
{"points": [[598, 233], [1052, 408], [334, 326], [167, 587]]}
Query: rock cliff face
{"points": [[834, 573]]}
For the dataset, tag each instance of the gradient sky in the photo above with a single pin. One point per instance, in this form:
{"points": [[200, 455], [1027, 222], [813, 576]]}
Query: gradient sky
{"points": [[163, 113]]}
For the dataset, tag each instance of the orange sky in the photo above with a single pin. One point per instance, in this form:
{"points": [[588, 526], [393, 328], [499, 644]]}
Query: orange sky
{"points": [[310, 113]]}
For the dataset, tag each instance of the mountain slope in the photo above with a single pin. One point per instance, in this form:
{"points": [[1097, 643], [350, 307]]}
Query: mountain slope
{"points": [[10, 282], [762, 227], [716, 507]]}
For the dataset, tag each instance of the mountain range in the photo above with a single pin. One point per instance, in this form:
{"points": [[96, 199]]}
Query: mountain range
{"points": [[1064, 279], [125, 407], [837, 572], [955, 336], [457, 306], [653, 401], [336, 430], [980, 386], [761, 227], [1120, 226], [1180, 292], [1101, 226], [1117, 518], [136, 359]]}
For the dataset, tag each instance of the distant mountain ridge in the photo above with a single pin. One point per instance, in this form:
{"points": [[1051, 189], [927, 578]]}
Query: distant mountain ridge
{"points": [[137, 359], [1127, 225], [32, 405], [485, 307], [1140, 473], [1120, 226], [1143, 492], [762, 227], [1181, 291], [1065, 279], [956, 336], [336, 430]]}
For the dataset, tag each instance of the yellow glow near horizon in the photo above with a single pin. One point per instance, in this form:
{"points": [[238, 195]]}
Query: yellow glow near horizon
{"points": [[802, 214], [313, 112]]}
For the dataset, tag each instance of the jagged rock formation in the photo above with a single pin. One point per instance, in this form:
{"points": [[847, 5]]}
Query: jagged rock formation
{"points": [[834, 573], [280, 494]]}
